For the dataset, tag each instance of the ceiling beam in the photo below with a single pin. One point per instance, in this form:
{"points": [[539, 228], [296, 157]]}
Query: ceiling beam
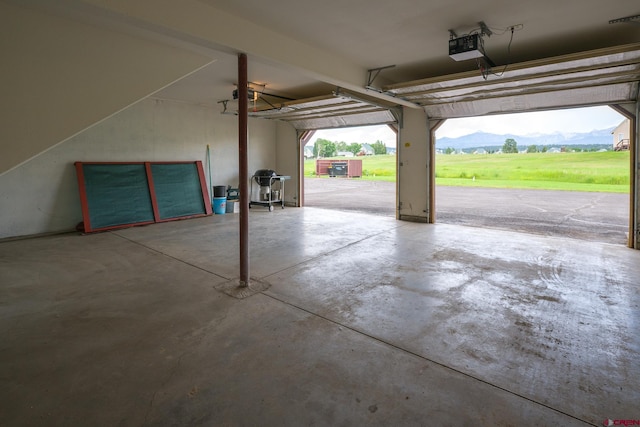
{"points": [[630, 68], [194, 22]]}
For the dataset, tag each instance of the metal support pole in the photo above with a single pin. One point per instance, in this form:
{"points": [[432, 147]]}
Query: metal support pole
{"points": [[634, 146], [243, 117]]}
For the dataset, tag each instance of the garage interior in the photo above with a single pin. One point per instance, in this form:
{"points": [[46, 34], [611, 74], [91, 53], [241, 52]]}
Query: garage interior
{"points": [[355, 319]]}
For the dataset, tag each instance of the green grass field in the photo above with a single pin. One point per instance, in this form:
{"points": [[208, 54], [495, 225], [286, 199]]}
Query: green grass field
{"points": [[584, 171]]}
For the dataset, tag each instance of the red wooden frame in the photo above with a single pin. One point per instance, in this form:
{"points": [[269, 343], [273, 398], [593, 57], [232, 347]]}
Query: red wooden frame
{"points": [[87, 228]]}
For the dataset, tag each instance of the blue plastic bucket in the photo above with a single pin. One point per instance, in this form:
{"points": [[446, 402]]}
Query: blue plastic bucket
{"points": [[219, 205]]}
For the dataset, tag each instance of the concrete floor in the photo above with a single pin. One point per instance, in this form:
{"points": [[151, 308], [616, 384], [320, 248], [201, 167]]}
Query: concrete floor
{"points": [[594, 216], [367, 321]]}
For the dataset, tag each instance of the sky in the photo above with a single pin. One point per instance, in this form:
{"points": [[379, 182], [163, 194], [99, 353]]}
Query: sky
{"points": [[521, 124]]}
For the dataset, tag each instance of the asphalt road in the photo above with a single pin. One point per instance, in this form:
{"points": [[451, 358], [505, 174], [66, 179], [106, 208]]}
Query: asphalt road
{"points": [[601, 217]]}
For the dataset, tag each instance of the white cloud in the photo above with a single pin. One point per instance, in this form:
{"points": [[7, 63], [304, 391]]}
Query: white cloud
{"points": [[541, 122]]}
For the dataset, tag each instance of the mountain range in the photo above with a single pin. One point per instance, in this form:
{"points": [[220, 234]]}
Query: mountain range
{"points": [[557, 139]]}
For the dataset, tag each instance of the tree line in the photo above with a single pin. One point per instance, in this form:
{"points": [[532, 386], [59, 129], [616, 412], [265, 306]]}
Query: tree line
{"points": [[325, 148], [511, 146]]}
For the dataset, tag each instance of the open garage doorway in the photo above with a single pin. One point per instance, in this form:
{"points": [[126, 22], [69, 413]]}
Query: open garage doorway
{"points": [[563, 172], [352, 169]]}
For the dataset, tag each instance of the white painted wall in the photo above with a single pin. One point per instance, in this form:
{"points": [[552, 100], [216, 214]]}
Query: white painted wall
{"points": [[41, 195], [60, 76], [287, 153], [413, 160]]}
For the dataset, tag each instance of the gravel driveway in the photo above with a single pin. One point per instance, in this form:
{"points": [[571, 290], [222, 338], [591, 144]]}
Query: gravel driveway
{"points": [[601, 217]]}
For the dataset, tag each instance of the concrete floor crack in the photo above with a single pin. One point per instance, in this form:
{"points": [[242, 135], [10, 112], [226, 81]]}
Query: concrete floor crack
{"points": [[425, 358], [164, 383], [170, 256]]}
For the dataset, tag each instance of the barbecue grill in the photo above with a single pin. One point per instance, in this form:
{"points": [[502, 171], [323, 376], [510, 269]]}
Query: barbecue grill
{"points": [[263, 177], [271, 188]]}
